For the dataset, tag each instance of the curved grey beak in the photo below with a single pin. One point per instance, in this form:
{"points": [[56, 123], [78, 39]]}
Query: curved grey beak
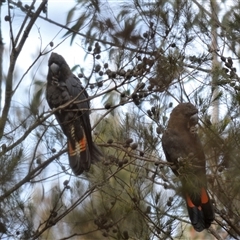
{"points": [[54, 68], [193, 120]]}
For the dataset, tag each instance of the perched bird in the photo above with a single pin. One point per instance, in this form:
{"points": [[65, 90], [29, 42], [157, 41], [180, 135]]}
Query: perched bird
{"points": [[182, 148], [64, 87]]}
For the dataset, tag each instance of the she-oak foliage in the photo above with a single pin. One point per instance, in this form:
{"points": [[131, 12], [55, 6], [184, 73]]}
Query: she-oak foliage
{"points": [[146, 57]]}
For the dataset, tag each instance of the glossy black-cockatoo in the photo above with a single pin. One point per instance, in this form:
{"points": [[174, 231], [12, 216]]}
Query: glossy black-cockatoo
{"points": [[182, 148], [64, 87]]}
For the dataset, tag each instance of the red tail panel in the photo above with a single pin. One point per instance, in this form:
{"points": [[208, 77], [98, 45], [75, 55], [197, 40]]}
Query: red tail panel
{"points": [[204, 196]]}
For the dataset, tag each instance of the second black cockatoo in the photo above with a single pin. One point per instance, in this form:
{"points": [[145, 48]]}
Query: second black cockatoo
{"points": [[182, 147], [62, 87]]}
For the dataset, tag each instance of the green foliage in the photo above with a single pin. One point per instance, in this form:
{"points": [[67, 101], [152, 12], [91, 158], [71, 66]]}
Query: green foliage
{"points": [[37, 97], [144, 57]]}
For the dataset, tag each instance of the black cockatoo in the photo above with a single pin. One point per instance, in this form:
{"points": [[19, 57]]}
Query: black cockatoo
{"points": [[62, 87], [183, 148]]}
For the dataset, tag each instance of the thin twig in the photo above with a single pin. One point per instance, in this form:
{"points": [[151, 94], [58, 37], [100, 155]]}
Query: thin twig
{"points": [[13, 58]]}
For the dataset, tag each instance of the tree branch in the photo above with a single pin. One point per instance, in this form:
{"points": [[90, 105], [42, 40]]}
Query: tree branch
{"points": [[137, 50], [28, 177], [13, 58]]}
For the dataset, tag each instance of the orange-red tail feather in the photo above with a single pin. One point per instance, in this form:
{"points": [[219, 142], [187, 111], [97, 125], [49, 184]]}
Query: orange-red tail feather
{"points": [[201, 216], [79, 156]]}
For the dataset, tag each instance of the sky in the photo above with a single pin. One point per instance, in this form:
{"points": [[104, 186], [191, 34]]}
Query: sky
{"points": [[40, 37], [42, 33], [38, 40]]}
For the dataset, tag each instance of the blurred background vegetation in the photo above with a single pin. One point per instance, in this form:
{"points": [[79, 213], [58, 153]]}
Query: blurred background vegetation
{"points": [[143, 57]]}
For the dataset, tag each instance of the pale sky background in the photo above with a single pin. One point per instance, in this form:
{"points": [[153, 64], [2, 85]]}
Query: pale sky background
{"points": [[42, 33], [39, 38]]}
